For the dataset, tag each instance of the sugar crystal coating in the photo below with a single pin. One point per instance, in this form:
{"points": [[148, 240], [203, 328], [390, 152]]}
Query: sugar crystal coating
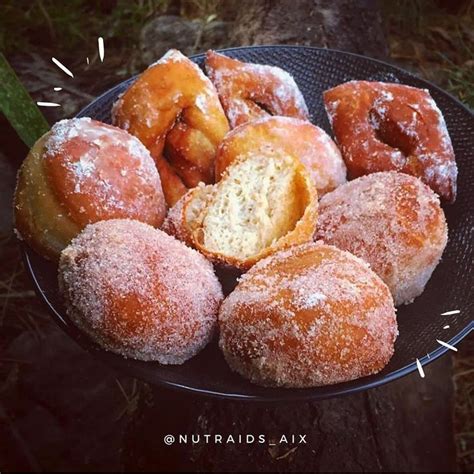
{"points": [[306, 316], [139, 292], [174, 109], [244, 87], [391, 220], [392, 127], [100, 172]]}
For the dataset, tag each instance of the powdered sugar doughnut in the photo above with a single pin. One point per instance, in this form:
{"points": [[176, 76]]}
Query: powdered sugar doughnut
{"points": [[391, 220], [84, 171], [138, 292], [249, 91], [392, 127], [307, 316], [310, 144]]}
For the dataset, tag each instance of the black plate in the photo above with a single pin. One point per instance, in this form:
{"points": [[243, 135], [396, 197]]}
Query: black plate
{"points": [[420, 324]]}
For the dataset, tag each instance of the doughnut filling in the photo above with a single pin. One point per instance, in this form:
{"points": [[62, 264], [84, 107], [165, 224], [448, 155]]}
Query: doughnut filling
{"points": [[260, 201]]}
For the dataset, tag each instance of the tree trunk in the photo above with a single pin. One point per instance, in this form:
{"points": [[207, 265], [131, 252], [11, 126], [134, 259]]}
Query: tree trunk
{"points": [[404, 426], [348, 25]]}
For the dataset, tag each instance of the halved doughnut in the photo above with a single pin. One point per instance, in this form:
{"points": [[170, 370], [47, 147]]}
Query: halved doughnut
{"points": [[263, 203]]}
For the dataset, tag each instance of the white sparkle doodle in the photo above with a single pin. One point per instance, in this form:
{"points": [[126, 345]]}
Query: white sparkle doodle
{"points": [[445, 344], [420, 369], [62, 67], [100, 42], [449, 313], [48, 104]]}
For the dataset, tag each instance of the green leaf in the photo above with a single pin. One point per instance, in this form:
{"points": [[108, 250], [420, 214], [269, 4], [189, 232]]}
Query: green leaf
{"points": [[18, 107]]}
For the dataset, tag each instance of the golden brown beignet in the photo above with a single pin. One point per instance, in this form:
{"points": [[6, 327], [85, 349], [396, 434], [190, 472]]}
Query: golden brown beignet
{"points": [[84, 171], [307, 316], [392, 221], [250, 91], [392, 127], [174, 110], [299, 138]]}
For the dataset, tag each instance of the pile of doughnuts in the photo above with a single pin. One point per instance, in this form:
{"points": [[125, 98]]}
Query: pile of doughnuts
{"points": [[200, 173]]}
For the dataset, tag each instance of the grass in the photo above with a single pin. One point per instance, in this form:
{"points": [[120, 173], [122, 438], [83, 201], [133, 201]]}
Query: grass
{"points": [[33, 25], [19, 309], [460, 81], [70, 29], [435, 38], [463, 367]]}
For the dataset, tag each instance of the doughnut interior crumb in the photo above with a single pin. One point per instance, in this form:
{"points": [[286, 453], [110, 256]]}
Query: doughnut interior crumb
{"points": [[259, 200]]}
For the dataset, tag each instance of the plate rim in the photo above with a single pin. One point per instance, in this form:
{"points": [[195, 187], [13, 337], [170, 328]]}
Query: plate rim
{"points": [[314, 48], [284, 394]]}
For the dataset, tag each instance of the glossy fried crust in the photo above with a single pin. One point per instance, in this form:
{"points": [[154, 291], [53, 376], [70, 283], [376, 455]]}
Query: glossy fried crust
{"points": [[392, 127], [174, 110], [80, 172], [307, 316], [138, 292], [392, 221], [299, 138], [250, 91]]}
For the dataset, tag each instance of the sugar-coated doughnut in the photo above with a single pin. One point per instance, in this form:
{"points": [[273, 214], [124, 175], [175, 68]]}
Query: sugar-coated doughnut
{"points": [[392, 127], [174, 109], [391, 220], [84, 171], [249, 91], [138, 292], [310, 144], [307, 316]]}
